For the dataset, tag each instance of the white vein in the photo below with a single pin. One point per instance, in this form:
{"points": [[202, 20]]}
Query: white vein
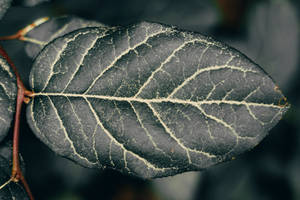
{"points": [[149, 102], [53, 36], [172, 135], [209, 131], [160, 100], [94, 143], [5, 184], [145, 129], [196, 104], [58, 56], [2, 119], [58, 32], [202, 54], [148, 164], [212, 68], [66, 134], [121, 55], [253, 116], [227, 94], [125, 161], [209, 94], [34, 124], [109, 153], [79, 64], [6, 91], [83, 25], [215, 85], [237, 136], [121, 121], [77, 118], [218, 121], [4, 66], [275, 116], [167, 60], [251, 93], [34, 41]]}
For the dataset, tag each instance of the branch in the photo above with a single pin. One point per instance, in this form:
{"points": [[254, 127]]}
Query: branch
{"points": [[22, 91], [20, 35]]}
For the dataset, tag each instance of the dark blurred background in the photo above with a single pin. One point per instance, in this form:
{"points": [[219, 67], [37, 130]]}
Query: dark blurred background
{"points": [[265, 30]]}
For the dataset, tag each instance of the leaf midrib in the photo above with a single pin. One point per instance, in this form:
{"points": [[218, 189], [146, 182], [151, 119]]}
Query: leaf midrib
{"points": [[159, 100]]}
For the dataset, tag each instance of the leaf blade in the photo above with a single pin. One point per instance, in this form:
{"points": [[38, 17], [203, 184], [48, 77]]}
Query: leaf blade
{"points": [[164, 100], [8, 94], [9, 189]]}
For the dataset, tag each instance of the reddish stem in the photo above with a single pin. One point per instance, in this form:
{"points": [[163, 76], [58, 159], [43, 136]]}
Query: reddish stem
{"points": [[22, 91], [11, 37]]}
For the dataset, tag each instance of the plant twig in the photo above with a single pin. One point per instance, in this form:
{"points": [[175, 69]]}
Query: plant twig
{"points": [[20, 35], [22, 91]]}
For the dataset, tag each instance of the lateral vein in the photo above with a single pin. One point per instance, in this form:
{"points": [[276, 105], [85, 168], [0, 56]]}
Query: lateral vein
{"points": [[66, 134], [212, 68], [121, 55], [172, 135], [147, 163]]}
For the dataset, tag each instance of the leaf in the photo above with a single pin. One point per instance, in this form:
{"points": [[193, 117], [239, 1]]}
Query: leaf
{"points": [[31, 3], [55, 28], [12, 190], [4, 5], [149, 100], [6, 150], [8, 95]]}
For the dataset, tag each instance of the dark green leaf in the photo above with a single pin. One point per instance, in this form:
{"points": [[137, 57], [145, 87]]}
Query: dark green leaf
{"points": [[11, 190], [54, 28], [4, 5], [149, 100], [8, 94]]}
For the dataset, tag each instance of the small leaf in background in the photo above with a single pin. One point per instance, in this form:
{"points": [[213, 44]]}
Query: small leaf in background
{"points": [[4, 5], [149, 100], [170, 187], [33, 2], [12, 190], [55, 28], [8, 95]]}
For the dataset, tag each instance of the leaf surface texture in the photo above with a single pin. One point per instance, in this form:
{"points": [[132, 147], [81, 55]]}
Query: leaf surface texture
{"points": [[54, 28], [149, 100], [12, 190], [8, 95]]}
